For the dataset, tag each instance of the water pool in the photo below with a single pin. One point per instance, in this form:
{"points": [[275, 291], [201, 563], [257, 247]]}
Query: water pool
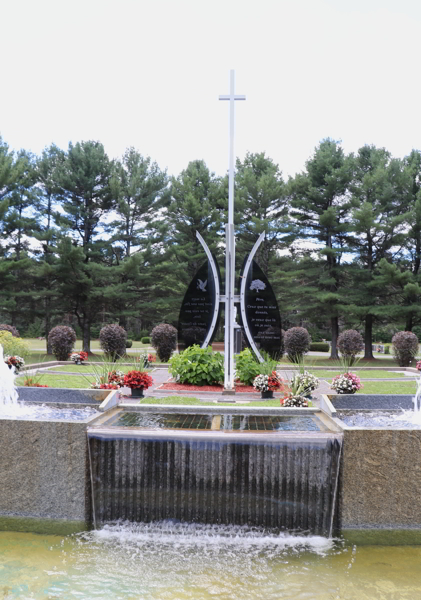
{"points": [[174, 562], [215, 422]]}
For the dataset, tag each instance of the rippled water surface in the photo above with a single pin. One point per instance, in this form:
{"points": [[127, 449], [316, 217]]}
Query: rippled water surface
{"points": [[172, 562], [22, 411]]}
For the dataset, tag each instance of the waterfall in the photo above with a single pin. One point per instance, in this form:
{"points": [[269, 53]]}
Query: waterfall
{"points": [[275, 482]]}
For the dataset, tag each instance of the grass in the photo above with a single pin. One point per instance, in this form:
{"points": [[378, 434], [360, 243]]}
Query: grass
{"points": [[41, 357], [364, 374], [36, 344], [58, 381], [388, 387], [321, 361], [87, 369]]}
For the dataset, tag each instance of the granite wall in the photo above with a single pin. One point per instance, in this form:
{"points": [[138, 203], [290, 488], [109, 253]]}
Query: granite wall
{"points": [[380, 480], [44, 472]]}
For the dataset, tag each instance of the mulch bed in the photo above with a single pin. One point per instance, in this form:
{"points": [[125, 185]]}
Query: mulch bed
{"points": [[185, 387]]}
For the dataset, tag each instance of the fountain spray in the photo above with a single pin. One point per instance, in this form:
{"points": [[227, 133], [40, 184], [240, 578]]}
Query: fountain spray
{"points": [[8, 391]]}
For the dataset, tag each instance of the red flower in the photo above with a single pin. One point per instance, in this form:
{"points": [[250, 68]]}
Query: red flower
{"points": [[137, 380], [151, 357]]}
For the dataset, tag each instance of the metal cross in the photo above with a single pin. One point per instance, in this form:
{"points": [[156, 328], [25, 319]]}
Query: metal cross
{"points": [[230, 250]]}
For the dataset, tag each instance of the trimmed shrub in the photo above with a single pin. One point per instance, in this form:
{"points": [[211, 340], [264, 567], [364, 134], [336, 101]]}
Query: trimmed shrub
{"points": [[297, 342], [387, 349], [197, 366], [112, 339], [13, 346], [247, 368], [405, 347], [164, 340], [319, 347], [350, 342], [62, 340], [10, 328], [129, 343], [146, 340]]}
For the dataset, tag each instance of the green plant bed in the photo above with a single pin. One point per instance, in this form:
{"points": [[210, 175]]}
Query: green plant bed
{"points": [[362, 374], [388, 387]]}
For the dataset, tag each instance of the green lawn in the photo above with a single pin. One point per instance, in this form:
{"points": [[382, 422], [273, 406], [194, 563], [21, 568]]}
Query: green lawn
{"points": [[362, 374], [388, 387], [321, 361], [59, 381], [85, 369], [36, 344]]}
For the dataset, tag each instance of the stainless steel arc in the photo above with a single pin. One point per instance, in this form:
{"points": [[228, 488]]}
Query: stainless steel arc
{"points": [[217, 289], [243, 294]]}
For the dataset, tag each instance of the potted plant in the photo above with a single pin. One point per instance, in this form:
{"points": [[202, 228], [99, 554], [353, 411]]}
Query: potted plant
{"points": [[267, 384], [14, 361], [137, 381], [347, 383], [78, 357]]}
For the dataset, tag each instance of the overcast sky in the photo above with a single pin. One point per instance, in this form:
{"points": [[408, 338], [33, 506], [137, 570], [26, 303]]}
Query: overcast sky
{"points": [[148, 74]]}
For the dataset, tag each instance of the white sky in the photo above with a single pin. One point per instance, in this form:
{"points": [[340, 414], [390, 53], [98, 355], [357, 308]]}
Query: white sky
{"points": [[148, 74]]}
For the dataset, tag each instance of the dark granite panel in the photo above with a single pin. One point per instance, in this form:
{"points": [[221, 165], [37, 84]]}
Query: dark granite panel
{"points": [[371, 401], [70, 396]]}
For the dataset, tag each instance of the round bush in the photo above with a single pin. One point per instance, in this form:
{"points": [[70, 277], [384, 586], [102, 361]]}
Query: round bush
{"points": [[10, 328], [62, 340], [164, 340], [297, 342], [129, 343], [405, 347], [197, 366], [146, 340], [112, 339], [350, 342]]}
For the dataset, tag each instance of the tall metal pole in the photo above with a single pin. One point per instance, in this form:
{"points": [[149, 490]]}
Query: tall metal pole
{"points": [[230, 249]]}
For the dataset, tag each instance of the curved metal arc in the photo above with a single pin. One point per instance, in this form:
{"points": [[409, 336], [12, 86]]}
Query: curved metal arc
{"points": [[217, 290], [243, 293]]}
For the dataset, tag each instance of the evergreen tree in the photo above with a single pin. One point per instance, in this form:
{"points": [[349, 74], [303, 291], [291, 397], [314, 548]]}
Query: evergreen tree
{"points": [[260, 207], [140, 189], [85, 193], [320, 208], [378, 225]]}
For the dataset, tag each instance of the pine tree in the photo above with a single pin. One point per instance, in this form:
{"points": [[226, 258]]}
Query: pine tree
{"points": [[378, 223], [320, 208], [260, 206]]}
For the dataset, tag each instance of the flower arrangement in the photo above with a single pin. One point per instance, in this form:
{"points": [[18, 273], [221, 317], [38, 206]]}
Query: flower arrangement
{"points": [[78, 356], [347, 383], [306, 382], [294, 400], [146, 359], [137, 380], [267, 383], [418, 365], [14, 361], [116, 377], [30, 382], [112, 380], [104, 386]]}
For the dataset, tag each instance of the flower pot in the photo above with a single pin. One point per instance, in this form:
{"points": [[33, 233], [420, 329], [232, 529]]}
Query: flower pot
{"points": [[78, 362], [137, 393], [268, 394]]}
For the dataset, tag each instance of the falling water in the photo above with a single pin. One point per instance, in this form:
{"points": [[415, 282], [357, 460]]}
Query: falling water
{"points": [[288, 484]]}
